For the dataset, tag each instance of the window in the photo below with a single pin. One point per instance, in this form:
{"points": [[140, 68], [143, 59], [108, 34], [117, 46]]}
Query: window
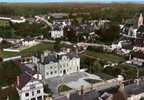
{"points": [[33, 99], [38, 91], [47, 73], [55, 71], [39, 98], [27, 94], [51, 73], [32, 93]]}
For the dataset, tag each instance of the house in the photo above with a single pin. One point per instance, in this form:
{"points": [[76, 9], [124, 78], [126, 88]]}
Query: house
{"points": [[138, 44], [129, 30], [140, 31], [52, 64], [1, 39], [29, 85], [125, 46], [134, 91], [137, 57], [57, 31], [21, 20], [28, 41]]}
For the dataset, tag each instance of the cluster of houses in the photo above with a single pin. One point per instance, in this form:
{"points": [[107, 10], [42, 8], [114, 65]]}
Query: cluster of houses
{"points": [[131, 42], [88, 27], [51, 69], [55, 68]]}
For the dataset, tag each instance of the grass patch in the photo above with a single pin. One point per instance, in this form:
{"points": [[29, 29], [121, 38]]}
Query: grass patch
{"points": [[29, 51], [5, 54], [92, 81], [38, 48], [104, 76], [105, 56], [63, 88]]}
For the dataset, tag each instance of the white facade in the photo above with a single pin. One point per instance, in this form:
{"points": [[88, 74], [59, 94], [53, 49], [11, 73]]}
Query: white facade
{"points": [[63, 65], [29, 43], [57, 34], [33, 90], [1, 39]]}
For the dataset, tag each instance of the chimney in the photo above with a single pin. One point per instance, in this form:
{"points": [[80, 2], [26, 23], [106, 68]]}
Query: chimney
{"points": [[82, 90], [91, 87], [18, 81]]}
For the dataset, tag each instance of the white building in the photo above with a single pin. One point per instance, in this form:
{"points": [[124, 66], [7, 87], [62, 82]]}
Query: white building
{"points": [[29, 85], [1, 39], [57, 63], [28, 41], [56, 34], [57, 31]]}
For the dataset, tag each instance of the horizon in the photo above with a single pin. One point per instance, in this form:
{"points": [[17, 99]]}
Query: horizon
{"points": [[71, 1]]}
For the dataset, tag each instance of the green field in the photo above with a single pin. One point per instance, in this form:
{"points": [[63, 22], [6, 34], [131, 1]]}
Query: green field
{"points": [[105, 56], [92, 81], [4, 23], [29, 51], [63, 88]]}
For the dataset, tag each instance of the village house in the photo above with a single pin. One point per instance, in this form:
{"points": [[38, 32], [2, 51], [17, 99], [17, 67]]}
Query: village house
{"points": [[137, 57], [128, 30], [57, 31], [28, 41], [29, 85], [1, 39]]}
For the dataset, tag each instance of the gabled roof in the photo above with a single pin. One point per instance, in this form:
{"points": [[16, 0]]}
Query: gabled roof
{"points": [[134, 89], [25, 76], [138, 54]]}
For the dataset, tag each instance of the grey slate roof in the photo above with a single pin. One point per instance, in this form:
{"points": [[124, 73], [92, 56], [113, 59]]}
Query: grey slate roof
{"points": [[25, 76], [54, 57], [134, 89]]}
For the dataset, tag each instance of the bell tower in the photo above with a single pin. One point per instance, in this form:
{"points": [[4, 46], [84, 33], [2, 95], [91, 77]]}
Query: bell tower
{"points": [[140, 20]]}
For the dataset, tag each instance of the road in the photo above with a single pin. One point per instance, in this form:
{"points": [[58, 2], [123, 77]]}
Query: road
{"points": [[79, 44]]}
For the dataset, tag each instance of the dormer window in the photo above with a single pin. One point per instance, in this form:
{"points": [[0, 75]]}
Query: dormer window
{"points": [[64, 58], [27, 94]]}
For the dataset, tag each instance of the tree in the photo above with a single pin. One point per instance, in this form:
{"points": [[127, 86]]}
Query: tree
{"points": [[8, 72], [109, 32]]}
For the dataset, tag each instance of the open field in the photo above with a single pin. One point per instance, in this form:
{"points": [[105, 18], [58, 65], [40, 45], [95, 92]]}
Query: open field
{"points": [[104, 56], [29, 51]]}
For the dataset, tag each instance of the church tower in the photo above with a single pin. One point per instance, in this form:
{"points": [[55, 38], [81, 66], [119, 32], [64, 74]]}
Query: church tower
{"points": [[140, 20]]}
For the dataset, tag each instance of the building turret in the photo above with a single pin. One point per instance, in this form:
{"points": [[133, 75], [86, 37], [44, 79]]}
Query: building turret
{"points": [[140, 20]]}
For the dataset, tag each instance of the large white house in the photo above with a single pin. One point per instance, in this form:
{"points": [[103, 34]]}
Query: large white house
{"points": [[29, 85], [57, 31], [52, 64]]}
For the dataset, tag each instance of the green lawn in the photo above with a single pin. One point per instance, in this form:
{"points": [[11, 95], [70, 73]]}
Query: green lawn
{"points": [[29, 51], [63, 88], [105, 56], [4, 23], [92, 81], [5, 54], [37, 48]]}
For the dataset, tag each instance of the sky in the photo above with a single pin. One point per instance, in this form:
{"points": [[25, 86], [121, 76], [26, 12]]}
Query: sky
{"points": [[96, 1]]}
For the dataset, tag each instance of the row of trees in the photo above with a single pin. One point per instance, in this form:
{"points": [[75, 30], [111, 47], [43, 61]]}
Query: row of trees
{"points": [[8, 73], [112, 12], [23, 30]]}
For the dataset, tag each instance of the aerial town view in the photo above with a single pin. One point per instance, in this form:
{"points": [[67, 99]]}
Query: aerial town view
{"points": [[71, 49]]}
